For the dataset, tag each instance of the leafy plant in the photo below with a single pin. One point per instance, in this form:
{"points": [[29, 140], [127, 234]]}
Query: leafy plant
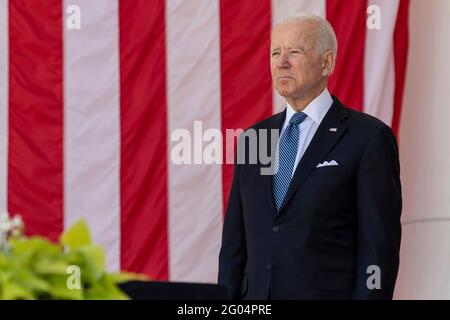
{"points": [[74, 268]]}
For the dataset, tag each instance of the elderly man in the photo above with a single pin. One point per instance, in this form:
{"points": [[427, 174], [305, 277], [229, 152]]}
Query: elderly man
{"points": [[326, 224]]}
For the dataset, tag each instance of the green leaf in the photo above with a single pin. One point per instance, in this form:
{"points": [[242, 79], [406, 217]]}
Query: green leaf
{"points": [[77, 235], [92, 263], [30, 246], [105, 289], [13, 291], [127, 276], [60, 289], [51, 266], [95, 256]]}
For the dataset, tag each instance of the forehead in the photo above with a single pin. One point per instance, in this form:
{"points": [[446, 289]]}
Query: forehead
{"points": [[293, 33]]}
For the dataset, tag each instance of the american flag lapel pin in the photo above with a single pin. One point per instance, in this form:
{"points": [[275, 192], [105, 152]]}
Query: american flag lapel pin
{"points": [[333, 129]]}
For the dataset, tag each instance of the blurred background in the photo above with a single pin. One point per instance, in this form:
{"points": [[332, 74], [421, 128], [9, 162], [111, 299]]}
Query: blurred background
{"points": [[92, 91]]}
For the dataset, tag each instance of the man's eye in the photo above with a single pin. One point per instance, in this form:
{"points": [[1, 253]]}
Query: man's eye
{"points": [[275, 53], [294, 51]]}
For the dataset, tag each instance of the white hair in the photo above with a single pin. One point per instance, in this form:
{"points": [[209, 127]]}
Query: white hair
{"points": [[326, 37]]}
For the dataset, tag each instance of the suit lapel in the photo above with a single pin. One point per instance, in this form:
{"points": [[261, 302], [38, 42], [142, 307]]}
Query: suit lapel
{"points": [[322, 142]]}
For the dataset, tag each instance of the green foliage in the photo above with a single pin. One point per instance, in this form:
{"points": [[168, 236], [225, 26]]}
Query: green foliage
{"points": [[74, 268]]}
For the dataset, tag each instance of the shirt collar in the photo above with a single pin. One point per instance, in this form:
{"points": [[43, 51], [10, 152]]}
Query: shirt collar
{"points": [[315, 110]]}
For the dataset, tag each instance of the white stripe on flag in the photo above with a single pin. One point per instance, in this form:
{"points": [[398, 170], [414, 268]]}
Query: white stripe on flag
{"points": [[195, 191], [282, 9], [379, 68], [4, 106], [92, 136]]}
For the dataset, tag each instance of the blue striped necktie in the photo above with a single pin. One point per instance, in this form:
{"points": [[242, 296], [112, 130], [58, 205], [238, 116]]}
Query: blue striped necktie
{"points": [[286, 158]]}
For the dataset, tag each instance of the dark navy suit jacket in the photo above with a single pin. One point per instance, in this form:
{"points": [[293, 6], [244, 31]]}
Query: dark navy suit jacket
{"points": [[335, 222]]}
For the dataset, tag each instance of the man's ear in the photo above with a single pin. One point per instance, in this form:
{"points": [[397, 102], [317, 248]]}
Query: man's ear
{"points": [[329, 60]]}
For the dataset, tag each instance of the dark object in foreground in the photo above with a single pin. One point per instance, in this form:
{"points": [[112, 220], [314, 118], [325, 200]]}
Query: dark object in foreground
{"points": [[158, 290]]}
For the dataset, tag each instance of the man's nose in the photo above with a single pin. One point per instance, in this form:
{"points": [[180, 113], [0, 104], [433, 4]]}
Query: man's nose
{"points": [[283, 61]]}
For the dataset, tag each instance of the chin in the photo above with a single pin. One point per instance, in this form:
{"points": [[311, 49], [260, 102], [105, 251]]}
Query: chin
{"points": [[284, 92]]}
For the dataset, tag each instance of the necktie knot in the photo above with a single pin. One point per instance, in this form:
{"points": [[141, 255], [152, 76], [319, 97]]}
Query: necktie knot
{"points": [[297, 118]]}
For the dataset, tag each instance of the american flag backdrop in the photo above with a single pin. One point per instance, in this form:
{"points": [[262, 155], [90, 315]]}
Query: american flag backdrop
{"points": [[86, 115]]}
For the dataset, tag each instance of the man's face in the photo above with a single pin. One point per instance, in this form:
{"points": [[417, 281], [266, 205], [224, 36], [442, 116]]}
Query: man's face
{"points": [[295, 59]]}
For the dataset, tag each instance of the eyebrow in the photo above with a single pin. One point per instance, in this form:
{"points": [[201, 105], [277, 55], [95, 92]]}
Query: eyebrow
{"points": [[302, 48]]}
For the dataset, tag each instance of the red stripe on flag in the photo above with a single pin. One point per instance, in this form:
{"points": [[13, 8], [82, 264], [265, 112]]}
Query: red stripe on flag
{"points": [[35, 172], [401, 42], [246, 80], [348, 19], [144, 245]]}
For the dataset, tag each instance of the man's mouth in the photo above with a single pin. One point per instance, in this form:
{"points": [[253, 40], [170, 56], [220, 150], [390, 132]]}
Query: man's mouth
{"points": [[284, 78]]}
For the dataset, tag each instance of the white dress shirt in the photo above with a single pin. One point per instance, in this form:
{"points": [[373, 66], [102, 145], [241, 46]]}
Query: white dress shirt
{"points": [[315, 111]]}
